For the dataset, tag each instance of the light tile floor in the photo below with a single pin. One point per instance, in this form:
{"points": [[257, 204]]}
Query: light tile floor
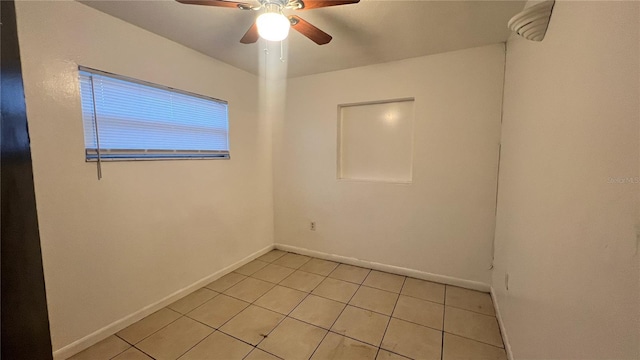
{"points": [[290, 306]]}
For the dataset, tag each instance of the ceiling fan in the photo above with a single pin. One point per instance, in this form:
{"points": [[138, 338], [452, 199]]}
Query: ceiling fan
{"points": [[272, 24]]}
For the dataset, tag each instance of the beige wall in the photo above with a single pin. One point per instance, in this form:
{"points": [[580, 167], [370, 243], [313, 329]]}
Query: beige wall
{"points": [[441, 223], [147, 229], [565, 235]]}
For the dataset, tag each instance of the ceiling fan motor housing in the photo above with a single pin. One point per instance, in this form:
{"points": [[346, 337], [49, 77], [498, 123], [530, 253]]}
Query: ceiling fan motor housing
{"points": [[270, 4], [274, 24]]}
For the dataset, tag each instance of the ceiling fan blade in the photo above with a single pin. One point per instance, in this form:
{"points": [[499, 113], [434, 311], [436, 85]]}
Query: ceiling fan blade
{"points": [[251, 35], [219, 3], [303, 27], [314, 4]]}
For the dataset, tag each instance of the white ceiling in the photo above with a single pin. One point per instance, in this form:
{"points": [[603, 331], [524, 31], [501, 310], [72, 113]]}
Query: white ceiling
{"points": [[369, 32]]}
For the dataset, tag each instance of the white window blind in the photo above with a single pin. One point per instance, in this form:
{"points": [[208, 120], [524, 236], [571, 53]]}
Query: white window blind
{"points": [[127, 119]]}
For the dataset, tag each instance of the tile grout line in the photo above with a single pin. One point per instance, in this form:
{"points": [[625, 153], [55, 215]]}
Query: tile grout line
{"points": [[271, 262], [478, 341], [390, 316], [471, 311], [201, 305], [341, 312], [188, 317], [264, 336], [197, 306], [370, 270], [255, 347], [442, 303], [474, 340], [288, 287], [120, 353], [278, 283], [230, 286], [181, 316], [148, 336], [319, 327], [360, 285], [134, 347], [285, 316], [144, 338], [231, 318], [348, 304], [404, 280], [415, 297], [201, 340], [444, 313], [373, 311]]}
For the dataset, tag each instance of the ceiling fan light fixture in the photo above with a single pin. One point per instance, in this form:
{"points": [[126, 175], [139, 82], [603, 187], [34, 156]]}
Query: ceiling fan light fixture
{"points": [[273, 26]]}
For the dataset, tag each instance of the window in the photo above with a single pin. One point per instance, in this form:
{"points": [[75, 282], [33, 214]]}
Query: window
{"points": [[127, 119], [376, 141]]}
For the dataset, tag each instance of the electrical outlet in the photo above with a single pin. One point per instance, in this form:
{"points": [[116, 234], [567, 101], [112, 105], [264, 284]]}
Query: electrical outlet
{"points": [[312, 226], [506, 281]]}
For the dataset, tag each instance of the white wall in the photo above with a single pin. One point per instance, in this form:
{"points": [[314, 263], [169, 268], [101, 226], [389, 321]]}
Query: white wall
{"points": [[443, 222], [564, 234], [147, 229]]}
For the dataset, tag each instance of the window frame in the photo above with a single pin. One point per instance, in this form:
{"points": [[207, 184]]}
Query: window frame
{"points": [[94, 155]]}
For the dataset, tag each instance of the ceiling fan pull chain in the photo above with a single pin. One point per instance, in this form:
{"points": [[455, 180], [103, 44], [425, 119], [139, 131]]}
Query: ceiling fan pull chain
{"points": [[266, 57], [281, 51]]}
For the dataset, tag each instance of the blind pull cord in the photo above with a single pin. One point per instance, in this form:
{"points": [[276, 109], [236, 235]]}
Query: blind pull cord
{"points": [[95, 123]]}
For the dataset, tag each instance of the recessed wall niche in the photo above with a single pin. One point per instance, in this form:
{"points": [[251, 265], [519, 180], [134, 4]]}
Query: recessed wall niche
{"points": [[375, 141]]}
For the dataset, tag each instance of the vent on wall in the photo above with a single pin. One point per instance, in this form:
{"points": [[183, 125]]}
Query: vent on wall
{"points": [[532, 22]]}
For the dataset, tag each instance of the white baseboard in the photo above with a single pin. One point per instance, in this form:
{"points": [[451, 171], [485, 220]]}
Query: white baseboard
{"points": [[503, 330], [449, 280], [101, 334]]}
